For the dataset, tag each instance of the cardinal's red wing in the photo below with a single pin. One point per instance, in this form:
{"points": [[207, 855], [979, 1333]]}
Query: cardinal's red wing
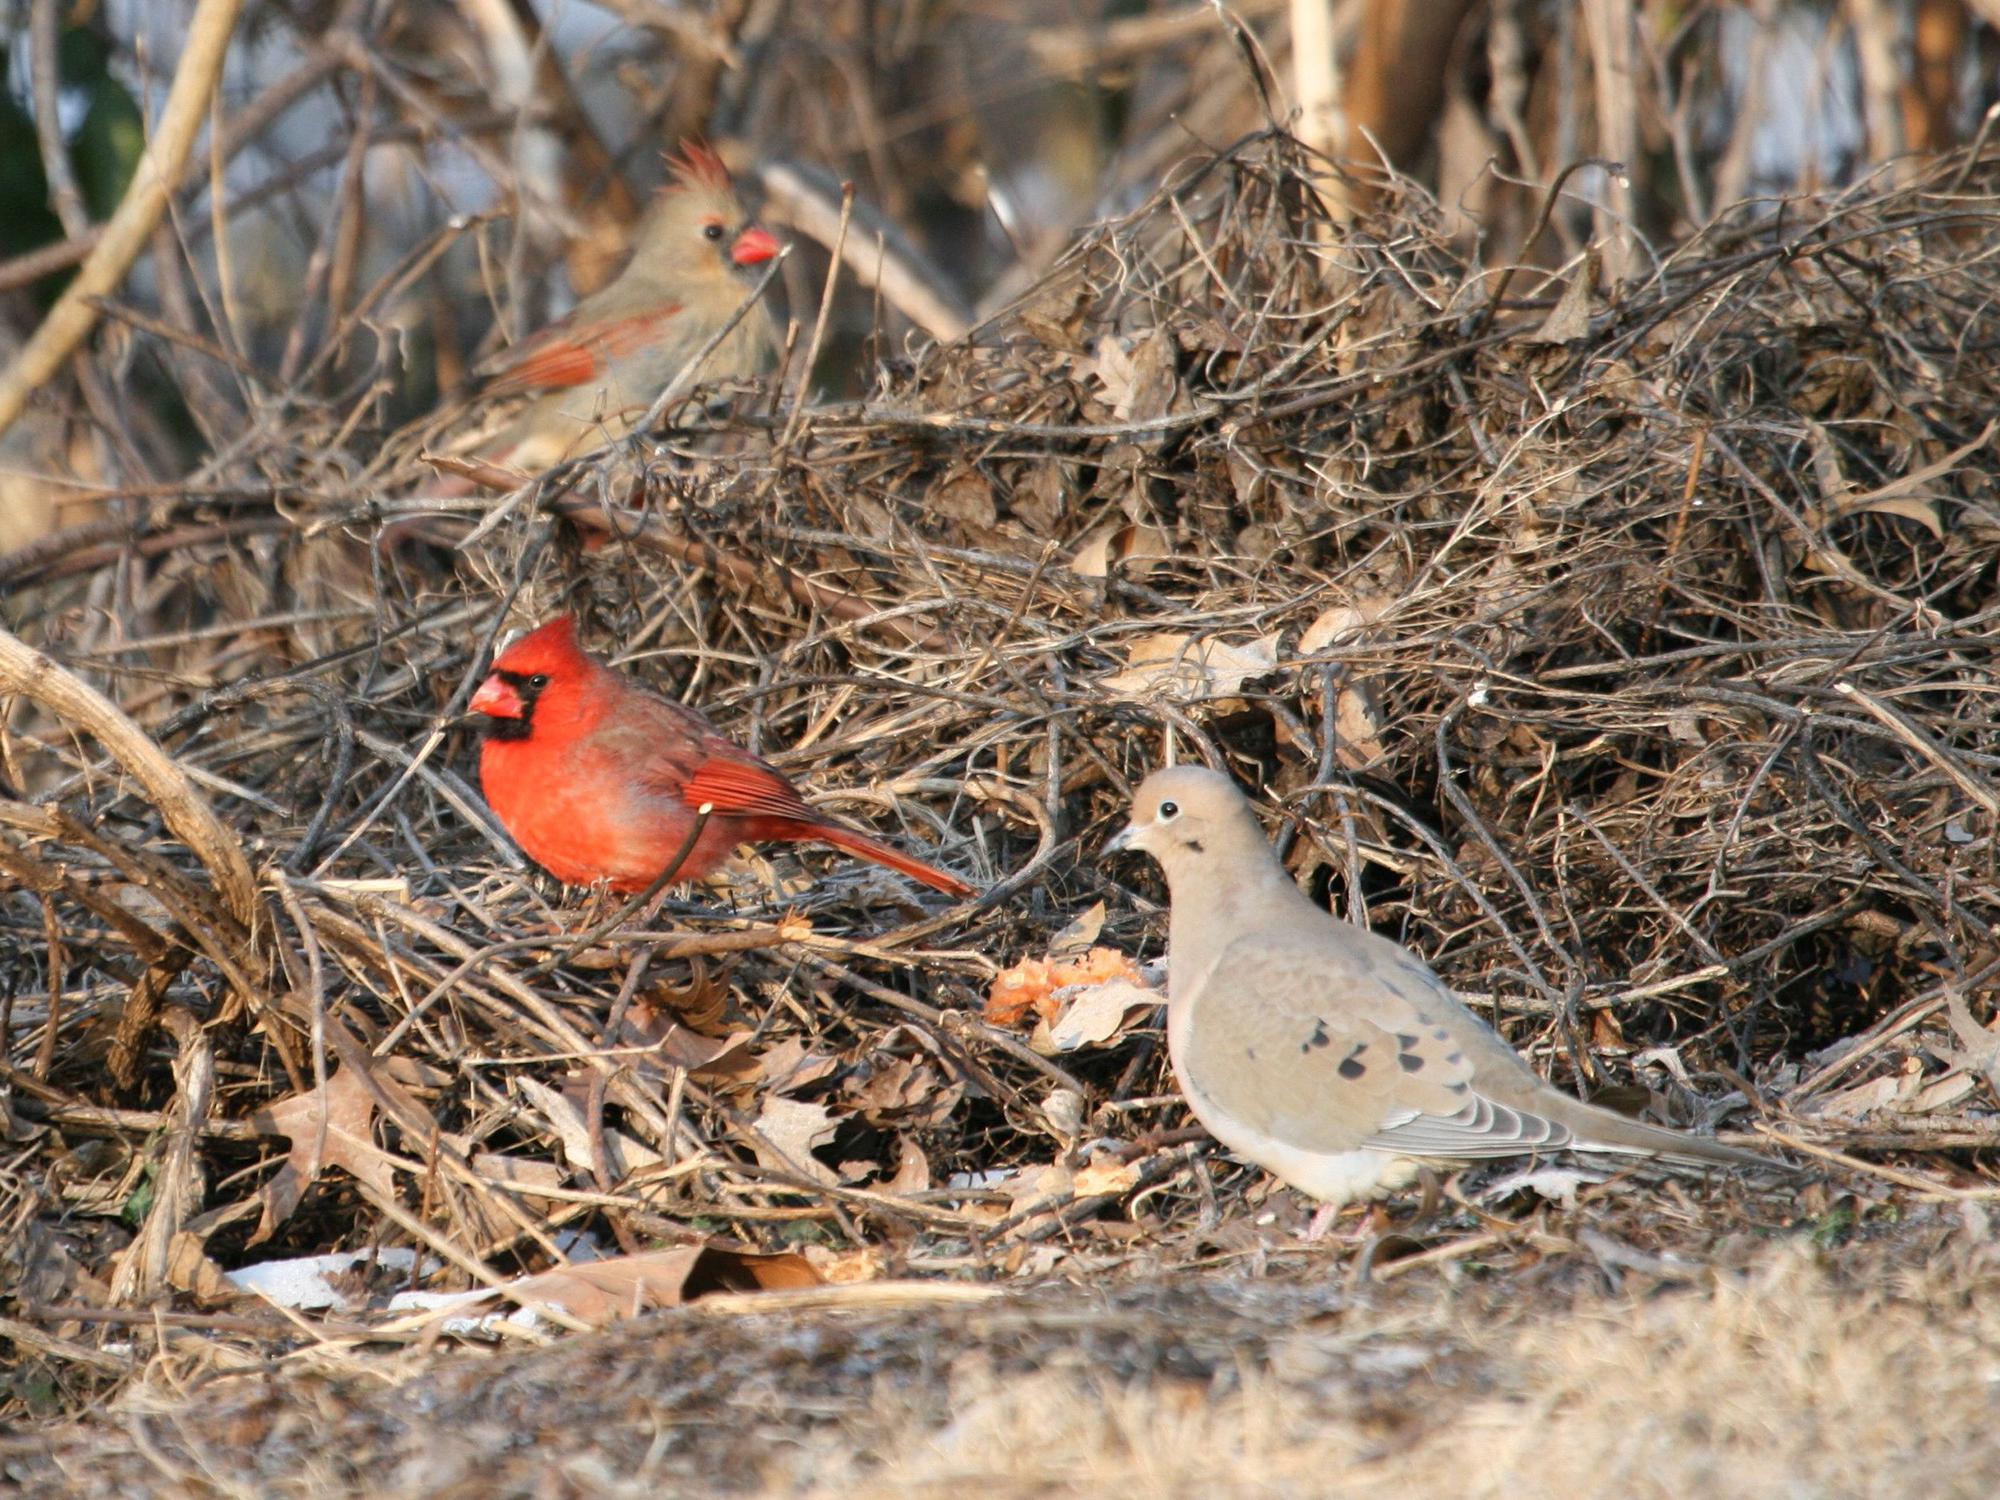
{"points": [[567, 355], [744, 788], [673, 751]]}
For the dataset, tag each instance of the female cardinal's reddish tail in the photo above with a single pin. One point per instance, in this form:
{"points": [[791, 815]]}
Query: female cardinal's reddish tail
{"points": [[598, 778]]}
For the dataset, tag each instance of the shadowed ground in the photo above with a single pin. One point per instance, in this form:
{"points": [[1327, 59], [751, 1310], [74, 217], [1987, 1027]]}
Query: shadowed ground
{"points": [[1756, 1367]]}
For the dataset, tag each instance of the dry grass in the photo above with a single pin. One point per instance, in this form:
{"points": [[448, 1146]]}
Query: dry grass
{"points": [[1785, 1371], [1781, 1380]]}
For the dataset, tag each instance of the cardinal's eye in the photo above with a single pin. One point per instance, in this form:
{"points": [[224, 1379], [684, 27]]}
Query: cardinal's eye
{"points": [[1169, 811], [711, 231], [536, 683]]}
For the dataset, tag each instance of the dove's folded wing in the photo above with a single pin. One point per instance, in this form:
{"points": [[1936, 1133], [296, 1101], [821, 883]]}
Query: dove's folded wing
{"points": [[1301, 1039]]}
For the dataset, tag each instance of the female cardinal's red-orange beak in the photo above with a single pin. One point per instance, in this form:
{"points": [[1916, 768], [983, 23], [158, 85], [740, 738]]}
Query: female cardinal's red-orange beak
{"points": [[496, 699], [753, 247]]}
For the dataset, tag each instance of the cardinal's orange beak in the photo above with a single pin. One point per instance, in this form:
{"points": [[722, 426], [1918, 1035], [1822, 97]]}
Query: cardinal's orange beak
{"points": [[753, 247], [496, 699]]}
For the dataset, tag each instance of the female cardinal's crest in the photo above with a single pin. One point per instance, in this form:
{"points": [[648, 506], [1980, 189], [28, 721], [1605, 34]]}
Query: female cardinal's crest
{"points": [[698, 166]]}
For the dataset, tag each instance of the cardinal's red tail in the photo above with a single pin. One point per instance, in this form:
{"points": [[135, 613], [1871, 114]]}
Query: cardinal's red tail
{"points": [[882, 854]]}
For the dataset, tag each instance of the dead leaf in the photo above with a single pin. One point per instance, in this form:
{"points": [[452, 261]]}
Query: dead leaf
{"points": [[1139, 382], [1857, 1101], [1903, 496], [965, 496], [38, 1264], [885, 1089], [924, 1090], [869, 519], [346, 1280], [1112, 367], [189, 1268], [521, 1172], [725, 1057], [675, 1045], [1899, 496], [845, 1267], [1062, 1114], [395, 888], [1033, 982], [701, 1004], [1080, 934], [788, 1066], [600, 1292], [1104, 1176], [1134, 549], [1041, 496], [573, 1131], [1156, 379], [1910, 508], [47, 477], [1094, 1015], [1187, 668], [1342, 620], [1569, 319], [485, 1222], [1357, 727], [1058, 1183], [1038, 1187], [482, 472], [328, 1127], [1981, 1044], [913, 1169], [1247, 477], [785, 1133], [883, 1085], [1054, 313]]}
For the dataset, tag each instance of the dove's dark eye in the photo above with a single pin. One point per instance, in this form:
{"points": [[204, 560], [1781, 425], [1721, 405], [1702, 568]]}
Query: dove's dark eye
{"points": [[1169, 811], [711, 231]]}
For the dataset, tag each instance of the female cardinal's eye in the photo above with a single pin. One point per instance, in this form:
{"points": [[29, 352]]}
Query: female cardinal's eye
{"points": [[711, 231], [1169, 811], [539, 681]]}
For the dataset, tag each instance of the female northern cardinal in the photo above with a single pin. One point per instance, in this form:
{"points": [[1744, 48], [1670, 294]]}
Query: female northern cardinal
{"points": [[598, 778], [596, 371]]}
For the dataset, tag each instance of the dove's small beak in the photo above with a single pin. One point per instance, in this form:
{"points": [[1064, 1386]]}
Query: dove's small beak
{"points": [[1120, 841]]}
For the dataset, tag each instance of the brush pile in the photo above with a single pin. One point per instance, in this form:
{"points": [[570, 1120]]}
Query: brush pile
{"points": [[1633, 660]]}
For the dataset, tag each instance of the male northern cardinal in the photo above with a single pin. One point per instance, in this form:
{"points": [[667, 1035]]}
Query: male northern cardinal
{"points": [[598, 778], [597, 370]]}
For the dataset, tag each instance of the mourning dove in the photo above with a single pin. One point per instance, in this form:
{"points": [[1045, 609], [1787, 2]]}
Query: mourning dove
{"points": [[1323, 1052]]}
